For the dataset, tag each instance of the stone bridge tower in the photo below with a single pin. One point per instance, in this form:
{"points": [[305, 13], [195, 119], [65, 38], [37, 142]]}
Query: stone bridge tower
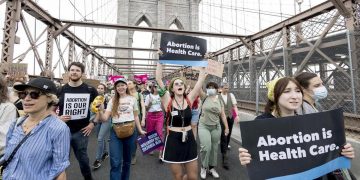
{"points": [[157, 14]]}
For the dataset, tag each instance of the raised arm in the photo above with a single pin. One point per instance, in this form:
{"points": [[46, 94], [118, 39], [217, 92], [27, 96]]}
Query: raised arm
{"points": [[195, 92], [166, 96]]}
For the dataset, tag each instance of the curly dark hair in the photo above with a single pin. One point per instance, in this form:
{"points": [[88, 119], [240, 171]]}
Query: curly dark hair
{"points": [[212, 84], [78, 64], [3, 90]]}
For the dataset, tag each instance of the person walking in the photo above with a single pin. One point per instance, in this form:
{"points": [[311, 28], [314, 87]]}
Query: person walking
{"points": [[180, 149], [123, 110], [212, 113], [74, 109], [314, 90], [140, 103], [103, 130], [285, 97], [155, 115], [232, 115], [38, 144]]}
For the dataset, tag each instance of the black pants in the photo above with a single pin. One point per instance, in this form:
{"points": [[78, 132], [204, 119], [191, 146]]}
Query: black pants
{"points": [[224, 141]]}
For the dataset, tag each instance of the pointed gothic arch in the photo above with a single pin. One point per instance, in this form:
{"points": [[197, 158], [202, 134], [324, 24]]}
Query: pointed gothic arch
{"points": [[175, 20], [143, 17]]}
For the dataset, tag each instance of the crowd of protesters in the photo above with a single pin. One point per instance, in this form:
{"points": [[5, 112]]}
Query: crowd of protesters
{"points": [[36, 112]]}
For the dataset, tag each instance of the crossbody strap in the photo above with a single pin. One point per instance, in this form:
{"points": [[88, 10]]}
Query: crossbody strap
{"points": [[15, 150], [6, 162]]}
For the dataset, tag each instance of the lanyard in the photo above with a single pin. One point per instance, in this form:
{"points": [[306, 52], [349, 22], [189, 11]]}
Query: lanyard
{"points": [[182, 114]]}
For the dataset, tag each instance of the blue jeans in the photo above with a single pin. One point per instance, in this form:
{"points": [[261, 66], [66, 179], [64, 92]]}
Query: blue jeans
{"points": [[79, 143], [103, 130], [120, 156], [133, 153]]}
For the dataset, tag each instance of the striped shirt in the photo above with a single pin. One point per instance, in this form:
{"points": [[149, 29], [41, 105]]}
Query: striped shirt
{"points": [[44, 155]]}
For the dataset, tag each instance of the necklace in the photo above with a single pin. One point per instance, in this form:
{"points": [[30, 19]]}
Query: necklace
{"points": [[181, 111], [27, 127]]}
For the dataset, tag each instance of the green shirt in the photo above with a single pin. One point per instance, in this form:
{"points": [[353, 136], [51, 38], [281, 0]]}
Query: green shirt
{"points": [[211, 111]]}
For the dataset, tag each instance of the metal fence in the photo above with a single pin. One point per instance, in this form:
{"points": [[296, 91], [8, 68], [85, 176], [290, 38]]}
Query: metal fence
{"points": [[319, 45]]}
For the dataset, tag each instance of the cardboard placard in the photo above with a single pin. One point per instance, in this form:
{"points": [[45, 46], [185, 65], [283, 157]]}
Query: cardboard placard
{"points": [[17, 70], [214, 68]]}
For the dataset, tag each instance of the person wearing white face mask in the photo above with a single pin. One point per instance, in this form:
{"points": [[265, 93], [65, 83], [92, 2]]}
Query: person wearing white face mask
{"points": [[314, 90], [212, 113]]}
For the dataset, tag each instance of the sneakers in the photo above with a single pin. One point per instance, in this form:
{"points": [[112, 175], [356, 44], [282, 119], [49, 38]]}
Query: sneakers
{"points": [[203, 173], [104, 156], [96, 164], [133, 160], [214, 173]]}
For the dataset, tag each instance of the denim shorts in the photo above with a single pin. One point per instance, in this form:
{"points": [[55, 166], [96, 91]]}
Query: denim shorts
{"points": [[195, 113]]}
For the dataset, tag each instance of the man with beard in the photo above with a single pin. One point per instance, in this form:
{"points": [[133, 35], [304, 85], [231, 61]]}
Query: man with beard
{"points": [[74, 109]]}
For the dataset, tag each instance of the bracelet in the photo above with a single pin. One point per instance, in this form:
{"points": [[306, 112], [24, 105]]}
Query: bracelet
{"points": [[92, 121], [162, 91]]}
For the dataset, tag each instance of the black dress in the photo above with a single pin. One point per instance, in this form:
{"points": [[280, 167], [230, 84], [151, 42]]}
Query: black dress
{"points": [[176, 151]]}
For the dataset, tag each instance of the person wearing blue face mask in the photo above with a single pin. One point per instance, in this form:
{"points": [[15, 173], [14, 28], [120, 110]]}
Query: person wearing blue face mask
{"points": [[314, 90], [209, 130]]}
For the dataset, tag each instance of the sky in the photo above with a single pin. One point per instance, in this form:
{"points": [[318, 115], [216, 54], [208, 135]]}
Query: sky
{"points": [[242, 17]]}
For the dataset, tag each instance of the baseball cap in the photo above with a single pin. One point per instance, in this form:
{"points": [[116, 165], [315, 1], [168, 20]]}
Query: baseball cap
{"points": [[123, 80], [41, 83]]}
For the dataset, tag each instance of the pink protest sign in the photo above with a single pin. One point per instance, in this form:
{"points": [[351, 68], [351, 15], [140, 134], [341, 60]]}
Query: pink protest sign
{"points": [[113, 78], [141, 78]]}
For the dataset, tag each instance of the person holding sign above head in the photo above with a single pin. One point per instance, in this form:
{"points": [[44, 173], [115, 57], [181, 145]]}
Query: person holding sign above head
{"points": [[74, 109], [284, 99], [123, 110], [212, 113], [314, 90], [38, 144], [180, 149]]}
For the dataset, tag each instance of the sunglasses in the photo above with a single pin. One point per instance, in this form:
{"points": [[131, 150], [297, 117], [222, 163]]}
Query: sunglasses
{"points": [[33, 94], [179, 84]]}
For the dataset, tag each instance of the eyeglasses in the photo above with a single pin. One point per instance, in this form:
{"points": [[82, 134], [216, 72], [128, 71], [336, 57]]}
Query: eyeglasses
{"points": [[179, 83], [33, 94]]}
